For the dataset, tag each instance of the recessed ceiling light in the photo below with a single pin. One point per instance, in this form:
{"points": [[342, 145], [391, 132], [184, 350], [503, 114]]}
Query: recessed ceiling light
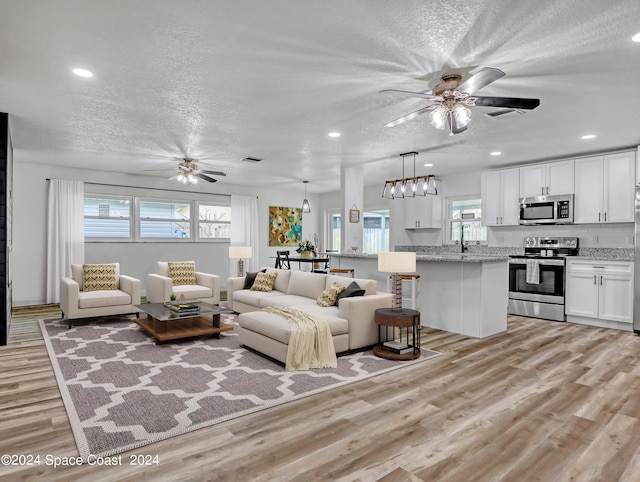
{"points": [[588, 136], [334, 134], [496, 153], [82, 73], [428, 164], [636, 37]]}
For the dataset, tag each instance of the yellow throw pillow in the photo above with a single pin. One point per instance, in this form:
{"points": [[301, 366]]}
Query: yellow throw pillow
{"points": [[264, 282], [182, 272], [99, 277], [329, 296]]}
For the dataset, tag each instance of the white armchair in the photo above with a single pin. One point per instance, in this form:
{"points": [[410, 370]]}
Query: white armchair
{"points": [[77, 302], [160, 286]]}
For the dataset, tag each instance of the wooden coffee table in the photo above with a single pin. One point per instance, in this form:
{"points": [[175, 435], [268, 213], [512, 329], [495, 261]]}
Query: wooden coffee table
{"points": [[165, 325]]}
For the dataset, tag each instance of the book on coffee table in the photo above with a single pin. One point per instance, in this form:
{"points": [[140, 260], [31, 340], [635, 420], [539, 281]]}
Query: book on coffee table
{"points": [[183, 308]]}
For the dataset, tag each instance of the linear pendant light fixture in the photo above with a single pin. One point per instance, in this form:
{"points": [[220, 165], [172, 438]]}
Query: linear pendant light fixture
{"points": [[410, 186], [306, 208]]}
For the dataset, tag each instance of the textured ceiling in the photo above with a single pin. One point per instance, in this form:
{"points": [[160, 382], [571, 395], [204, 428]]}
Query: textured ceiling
{"points": [[222, 80]]}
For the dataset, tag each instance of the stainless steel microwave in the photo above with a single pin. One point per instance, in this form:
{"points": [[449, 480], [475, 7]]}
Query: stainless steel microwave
{"points": [[547, 209]]}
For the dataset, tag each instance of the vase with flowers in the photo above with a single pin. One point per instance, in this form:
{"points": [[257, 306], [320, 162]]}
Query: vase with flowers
{"points": [[306, 249]]}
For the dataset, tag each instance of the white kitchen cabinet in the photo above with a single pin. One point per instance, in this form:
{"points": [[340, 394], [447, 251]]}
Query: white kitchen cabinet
{"points": [[547, 178], [605, 189], [423, 211], [600, 290], [500, 197]]}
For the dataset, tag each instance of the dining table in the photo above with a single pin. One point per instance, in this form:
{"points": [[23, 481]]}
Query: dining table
{"points": [[322, 260]]}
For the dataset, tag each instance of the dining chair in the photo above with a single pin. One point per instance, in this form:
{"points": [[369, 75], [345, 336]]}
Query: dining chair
{"points": [[282, 260]]}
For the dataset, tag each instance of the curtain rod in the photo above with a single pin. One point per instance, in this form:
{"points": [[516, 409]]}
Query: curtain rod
{"points": [[152, 188]]}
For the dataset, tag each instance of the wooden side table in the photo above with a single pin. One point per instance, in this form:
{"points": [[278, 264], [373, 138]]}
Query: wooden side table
{"points": [[388, 318]]}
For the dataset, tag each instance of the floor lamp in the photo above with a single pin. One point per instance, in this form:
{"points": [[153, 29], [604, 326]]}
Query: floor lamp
{"points": [[397, 262], [240, 253]]}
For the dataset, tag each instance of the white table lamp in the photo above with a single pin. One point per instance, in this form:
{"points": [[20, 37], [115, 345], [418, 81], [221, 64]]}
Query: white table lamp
{"points": [[397, 262], [240, 253]]}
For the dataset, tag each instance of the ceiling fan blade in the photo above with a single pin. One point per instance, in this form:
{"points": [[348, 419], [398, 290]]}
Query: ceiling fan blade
{"points": [[205, 177], [169, 169], [408, 117], [406, 93], [456, 127], [216, 173], [511, 102], [480, 80]]}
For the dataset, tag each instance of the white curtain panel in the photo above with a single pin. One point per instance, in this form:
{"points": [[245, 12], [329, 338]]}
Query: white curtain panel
{"points": [[65, 232], [244, 230]]}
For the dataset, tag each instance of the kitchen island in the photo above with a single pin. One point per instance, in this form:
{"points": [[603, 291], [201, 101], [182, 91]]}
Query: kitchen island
{"points": [[460, 293]]}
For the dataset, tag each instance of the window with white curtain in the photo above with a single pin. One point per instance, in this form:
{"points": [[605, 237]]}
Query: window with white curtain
{"points": [[130, 218]]}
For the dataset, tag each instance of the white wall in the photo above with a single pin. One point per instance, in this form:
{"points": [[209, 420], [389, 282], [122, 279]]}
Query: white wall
{"points": [[136, 259]]}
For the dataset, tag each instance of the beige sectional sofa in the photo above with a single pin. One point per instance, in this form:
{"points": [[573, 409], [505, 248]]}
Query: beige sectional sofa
{"points": [[351, 323]]}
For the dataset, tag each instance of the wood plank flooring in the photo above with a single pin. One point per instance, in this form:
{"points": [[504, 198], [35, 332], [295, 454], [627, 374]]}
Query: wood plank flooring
{"points": [[545, 401]]}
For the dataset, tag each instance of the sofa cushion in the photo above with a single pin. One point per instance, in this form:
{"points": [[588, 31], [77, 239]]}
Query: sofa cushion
{"points": [[100, 298], [330, 295], [253, 297], [264, 282], [98, 277], [250, 278], [182, 272], [277, 328], [193, 292], [286, 300], [282, 280], [370, 286], [307, 284], [330, 314], [349, 292]]}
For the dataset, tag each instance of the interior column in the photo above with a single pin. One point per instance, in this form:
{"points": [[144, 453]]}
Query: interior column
{"points": [[352, 194]]}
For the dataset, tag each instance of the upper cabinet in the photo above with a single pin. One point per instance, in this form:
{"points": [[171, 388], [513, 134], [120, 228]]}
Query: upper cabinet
{"points": [[547, 178], [605, 188], [423, 211], [500, 197]]}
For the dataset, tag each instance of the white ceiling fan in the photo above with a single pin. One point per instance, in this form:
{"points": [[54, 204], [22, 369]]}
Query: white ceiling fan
{"points": [[190, 173]]}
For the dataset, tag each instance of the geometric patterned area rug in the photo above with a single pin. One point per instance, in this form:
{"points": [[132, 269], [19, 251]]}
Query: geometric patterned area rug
{"points": [[122, 391]]}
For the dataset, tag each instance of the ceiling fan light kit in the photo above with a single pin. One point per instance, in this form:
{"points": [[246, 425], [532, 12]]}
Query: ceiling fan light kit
{"points": [[189, 173], [451, 98], [410, 186]]}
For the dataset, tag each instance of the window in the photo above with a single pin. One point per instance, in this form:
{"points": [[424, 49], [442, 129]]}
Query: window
{"points": [[165, 219], [334, 230], [106, 217], [465, 212], [112, 217], [375, 231], [214, 221]]}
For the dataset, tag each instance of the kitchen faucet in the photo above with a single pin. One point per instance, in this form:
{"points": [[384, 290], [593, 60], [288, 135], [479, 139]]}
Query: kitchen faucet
{"points": [[463, 248]]}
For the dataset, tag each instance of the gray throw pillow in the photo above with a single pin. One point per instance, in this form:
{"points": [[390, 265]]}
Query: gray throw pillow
{"points": [[350, 291]]}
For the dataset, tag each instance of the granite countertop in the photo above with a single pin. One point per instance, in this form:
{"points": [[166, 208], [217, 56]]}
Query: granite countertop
{"points": [[444, 257]]}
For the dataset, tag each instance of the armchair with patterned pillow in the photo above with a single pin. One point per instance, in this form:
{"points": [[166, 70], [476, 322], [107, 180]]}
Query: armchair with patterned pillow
{"points": [[98, 290], [181, 278]]}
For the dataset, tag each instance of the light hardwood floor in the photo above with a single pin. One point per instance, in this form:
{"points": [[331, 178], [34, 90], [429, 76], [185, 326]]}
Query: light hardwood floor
{"points": [[545, 401]]}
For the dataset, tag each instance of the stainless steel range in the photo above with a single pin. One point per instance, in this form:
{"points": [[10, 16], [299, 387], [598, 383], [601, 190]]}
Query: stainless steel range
{"points": [[537, 278]]}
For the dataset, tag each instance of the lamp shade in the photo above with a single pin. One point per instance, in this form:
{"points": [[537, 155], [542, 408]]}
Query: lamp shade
{"points": [[240, 252], [397, 262]]}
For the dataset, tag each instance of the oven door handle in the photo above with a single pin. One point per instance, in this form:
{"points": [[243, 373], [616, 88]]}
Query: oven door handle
{"points": [[541, 262]]}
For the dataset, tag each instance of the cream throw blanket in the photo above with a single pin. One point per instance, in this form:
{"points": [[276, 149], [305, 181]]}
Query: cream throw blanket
{"points": [[310, 343]]}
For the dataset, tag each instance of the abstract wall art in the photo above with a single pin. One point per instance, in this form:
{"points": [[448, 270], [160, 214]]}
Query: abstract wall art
{"points": [[285, 226]]}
